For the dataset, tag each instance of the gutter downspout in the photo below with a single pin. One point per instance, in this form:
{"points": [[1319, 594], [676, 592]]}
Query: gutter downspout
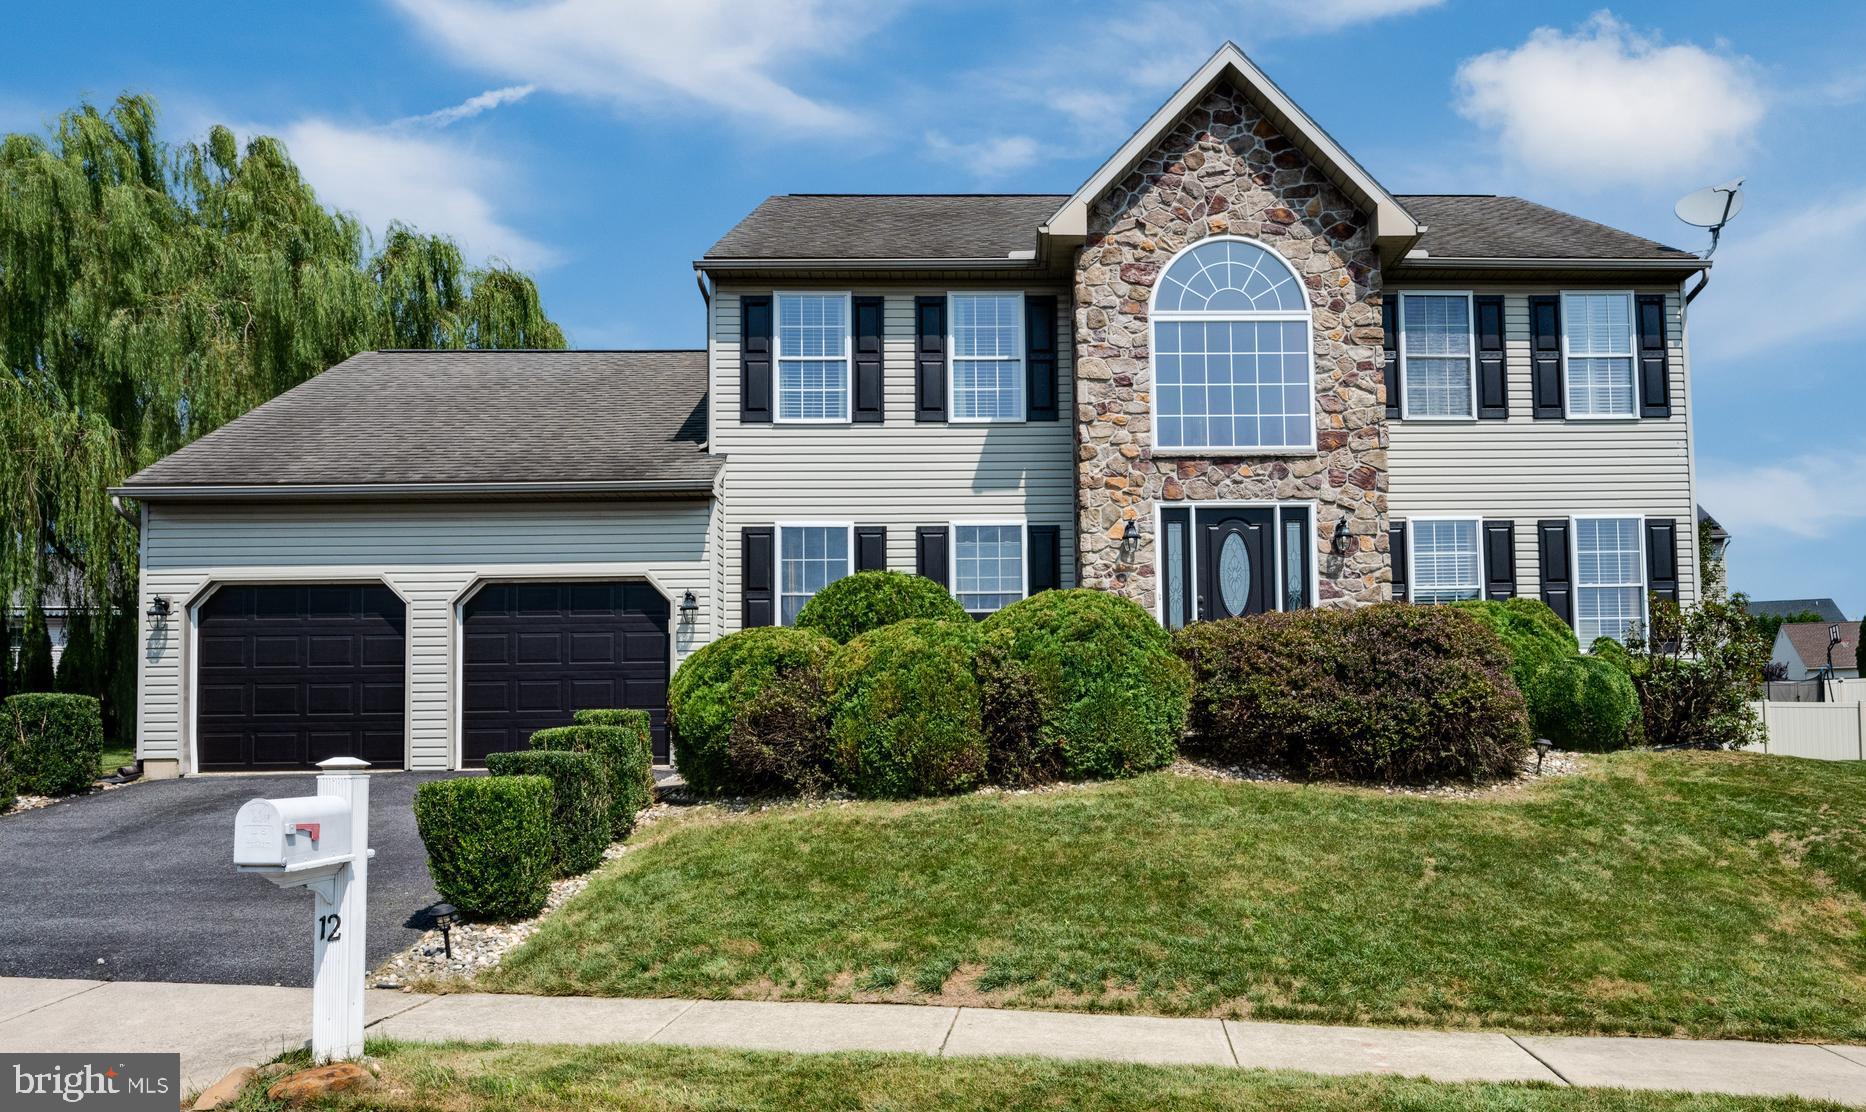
{"points": [[1703, 280]]}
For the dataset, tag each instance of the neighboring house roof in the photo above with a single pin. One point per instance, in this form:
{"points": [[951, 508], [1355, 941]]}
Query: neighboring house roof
{"points": [[418, 422], [836, 226], [1809, 640], [1481, 226], [1827, 608], [833, 227]]}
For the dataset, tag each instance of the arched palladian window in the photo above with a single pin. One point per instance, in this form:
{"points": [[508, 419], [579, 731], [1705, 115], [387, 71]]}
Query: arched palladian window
{"points": [[1232, 354]]}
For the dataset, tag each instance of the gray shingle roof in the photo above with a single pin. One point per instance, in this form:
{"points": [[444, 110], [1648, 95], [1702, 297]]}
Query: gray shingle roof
{"points": [[446, 417], [991, 226], [1827, 608], [904, 226], [1809, 640], [1486, 227]]}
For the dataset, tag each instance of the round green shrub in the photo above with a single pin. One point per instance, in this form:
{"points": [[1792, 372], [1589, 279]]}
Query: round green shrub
{"points": [[55, 742], [780, 738], [1583, 702], [1534, 634], [715, 684], [1389, 693], [624, 752], [1112, 694], [1611, 651], [855, 604], [489, 843], [579, 802], [904, 714]]}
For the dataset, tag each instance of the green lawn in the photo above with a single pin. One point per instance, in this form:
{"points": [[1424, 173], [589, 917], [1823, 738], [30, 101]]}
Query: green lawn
{"points": [[463, 1078], [1705, 894], [114, 759]]}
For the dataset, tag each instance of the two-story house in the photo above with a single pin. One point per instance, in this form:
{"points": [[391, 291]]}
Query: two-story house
{"points": [[1231, 373]]}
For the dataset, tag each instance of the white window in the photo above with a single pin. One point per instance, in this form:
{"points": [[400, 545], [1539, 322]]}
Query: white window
{"points": [[1446, 563], [1597, 336], [987, 356], [1610, 582], [1232, 351], [813, 356], [1437, 363], [810, 557], [987, 564]]}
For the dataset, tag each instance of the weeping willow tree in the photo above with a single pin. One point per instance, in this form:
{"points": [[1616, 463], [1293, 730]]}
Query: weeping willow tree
{"points": [[151, 293]]}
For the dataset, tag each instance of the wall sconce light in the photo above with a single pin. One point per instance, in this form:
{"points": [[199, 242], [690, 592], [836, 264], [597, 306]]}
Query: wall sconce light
{"points": [[1131, 533], [1339, 542], [159, 609], [689, 607]]}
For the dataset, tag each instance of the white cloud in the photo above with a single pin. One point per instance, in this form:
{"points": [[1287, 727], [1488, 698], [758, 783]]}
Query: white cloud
{"points": [[988, 159], [1807, 496], [1319, 16], [472, 106], [726, 57], [1764, 297], [431, 183], [1607, 105]]}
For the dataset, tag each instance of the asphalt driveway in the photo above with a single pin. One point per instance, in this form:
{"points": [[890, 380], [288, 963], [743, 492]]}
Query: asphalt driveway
{"points": [[139, 885]]}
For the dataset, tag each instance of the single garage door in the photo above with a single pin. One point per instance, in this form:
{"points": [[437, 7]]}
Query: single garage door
{"points": [[290, 676], [536, 653]]}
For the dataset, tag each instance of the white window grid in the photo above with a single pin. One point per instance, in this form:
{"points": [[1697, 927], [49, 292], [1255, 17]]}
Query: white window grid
{"points": [[1609, 577], [813, 356], [1438, 362], [810, 556], [1445, 559], [1599, 340], [994, 573], [985, 334], [1240, 378]]}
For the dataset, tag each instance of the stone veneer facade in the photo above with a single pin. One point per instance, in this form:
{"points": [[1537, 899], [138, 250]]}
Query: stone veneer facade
{"points": [[1225, 169]]}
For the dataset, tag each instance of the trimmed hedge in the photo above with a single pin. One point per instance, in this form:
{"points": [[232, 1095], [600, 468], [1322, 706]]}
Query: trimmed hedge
{"points": [[579, 802], [716, 683], [489, 843], [855, 604], [1112, 695], [1534, 634], [1583, 702], [780, 738], [1390, 693], [607, 716], [904, 712], [624, 756], [55, 742]]}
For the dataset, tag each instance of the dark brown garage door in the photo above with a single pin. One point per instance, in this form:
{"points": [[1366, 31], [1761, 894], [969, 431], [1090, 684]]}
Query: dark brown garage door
{"points": [[290, 676], [536, 653]]}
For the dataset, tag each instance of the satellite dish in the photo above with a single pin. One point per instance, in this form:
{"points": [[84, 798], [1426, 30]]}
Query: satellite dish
{"points": [[1711, 208]]}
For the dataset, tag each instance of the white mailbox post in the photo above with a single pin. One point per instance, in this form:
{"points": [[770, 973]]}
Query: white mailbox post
{"points": [[321, 842]]}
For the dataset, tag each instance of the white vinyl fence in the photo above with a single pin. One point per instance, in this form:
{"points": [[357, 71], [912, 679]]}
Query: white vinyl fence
{"points": [[1822, 731]]}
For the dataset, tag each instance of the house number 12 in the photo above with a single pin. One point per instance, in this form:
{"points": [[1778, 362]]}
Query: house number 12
{"points": [[328, 928]]}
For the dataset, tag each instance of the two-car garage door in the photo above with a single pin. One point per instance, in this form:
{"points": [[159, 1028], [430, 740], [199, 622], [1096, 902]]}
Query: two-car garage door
{"points": [[290, 675]]}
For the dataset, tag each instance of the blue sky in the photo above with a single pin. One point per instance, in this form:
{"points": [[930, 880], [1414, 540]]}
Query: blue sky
{"points": [[605, 145]]}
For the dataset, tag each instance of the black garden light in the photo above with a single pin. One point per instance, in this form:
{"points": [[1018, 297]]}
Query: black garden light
{"points": [[445, 916], [1543, 745]]}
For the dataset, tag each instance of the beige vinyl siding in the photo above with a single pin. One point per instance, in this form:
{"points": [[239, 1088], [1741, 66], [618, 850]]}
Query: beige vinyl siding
{"points": [[901, 473], [429, 554], [1527, 470]]}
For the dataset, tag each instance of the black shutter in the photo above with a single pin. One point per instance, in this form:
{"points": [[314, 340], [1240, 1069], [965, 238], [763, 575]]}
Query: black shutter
{"points": [[755, 359], [930, 549], [1655, 386], [758, 577], [1545, 356], [1389, 337], [1040, 360], [1662, 557], [871, 548], [929, 359], [1499, 559], [1396, 552], [1552, 553], [865, 387], [1044, 562], [1493, 387]]}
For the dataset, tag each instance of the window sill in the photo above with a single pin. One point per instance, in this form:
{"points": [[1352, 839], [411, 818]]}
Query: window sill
{"points": [[1230, 453], [1421, 420]]}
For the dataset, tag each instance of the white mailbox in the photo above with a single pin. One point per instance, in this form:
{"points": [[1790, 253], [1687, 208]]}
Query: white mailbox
{"points": [[297, 835]]}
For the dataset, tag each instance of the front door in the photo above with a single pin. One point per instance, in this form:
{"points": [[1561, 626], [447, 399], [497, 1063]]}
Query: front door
{"points": [[1235, 573]]}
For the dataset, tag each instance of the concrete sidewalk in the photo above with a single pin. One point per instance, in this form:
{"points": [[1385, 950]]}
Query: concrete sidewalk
{"points": [[216, 1027]]}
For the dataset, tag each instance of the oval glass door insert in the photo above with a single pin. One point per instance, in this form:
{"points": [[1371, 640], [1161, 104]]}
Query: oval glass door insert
{"points": [[1234, 574]]}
